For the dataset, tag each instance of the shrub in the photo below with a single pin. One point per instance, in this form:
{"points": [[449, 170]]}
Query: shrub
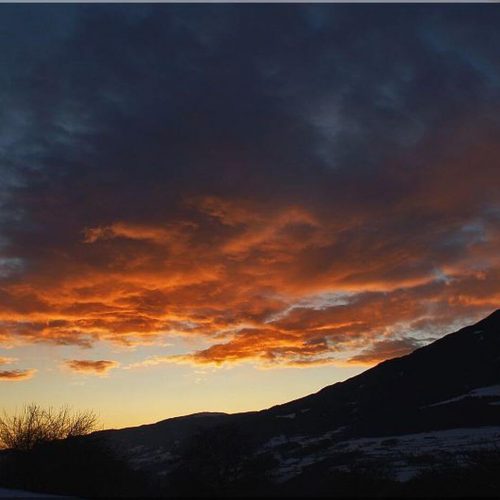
{"points": [[35, 425]]}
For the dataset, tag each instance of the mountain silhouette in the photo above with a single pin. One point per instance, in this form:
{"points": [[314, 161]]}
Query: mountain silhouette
{"points": [[447, 390]]}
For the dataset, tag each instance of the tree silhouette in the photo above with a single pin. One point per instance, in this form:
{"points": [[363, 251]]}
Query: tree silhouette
{"points": [[34, 425]]}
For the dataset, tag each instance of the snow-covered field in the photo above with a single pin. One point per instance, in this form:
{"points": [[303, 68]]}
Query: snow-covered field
{"points": [[402, 456]]}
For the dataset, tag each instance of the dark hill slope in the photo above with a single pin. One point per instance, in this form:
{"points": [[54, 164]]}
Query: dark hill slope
{"points": [[400, 395], [395, 397]]}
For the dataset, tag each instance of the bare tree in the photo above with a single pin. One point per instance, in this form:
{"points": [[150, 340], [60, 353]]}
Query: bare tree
{"points": [[34, 425]]}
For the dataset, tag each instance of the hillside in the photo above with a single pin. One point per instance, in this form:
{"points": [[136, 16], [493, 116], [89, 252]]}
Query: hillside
{"points": [[440, 398]]}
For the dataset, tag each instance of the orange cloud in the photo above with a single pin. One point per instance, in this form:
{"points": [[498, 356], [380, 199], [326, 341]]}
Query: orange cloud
{"points": [[7, 361], [169, 234], [16, 375], [97, 367], [290, 286]]}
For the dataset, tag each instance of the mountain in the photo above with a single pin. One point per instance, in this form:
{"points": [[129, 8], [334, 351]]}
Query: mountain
{"points": [[439, 399], [402, 395]]}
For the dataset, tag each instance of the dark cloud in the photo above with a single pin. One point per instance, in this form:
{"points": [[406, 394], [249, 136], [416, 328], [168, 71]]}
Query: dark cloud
{"points": [[207, 169]]}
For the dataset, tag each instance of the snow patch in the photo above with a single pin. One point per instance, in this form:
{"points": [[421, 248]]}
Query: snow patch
{"points": [[400, 451], [492, 390], [404, 455], [276, 441], [481, 392]]}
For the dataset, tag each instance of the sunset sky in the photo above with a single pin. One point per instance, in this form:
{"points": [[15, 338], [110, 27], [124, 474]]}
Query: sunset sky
{"points": [[225, 207]]}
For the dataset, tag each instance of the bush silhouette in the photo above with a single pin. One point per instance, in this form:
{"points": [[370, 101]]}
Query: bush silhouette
{"points": [[35, 425], [51, 451]]}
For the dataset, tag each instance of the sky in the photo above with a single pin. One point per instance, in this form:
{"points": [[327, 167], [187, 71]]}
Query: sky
{"points": [[225, 207]]}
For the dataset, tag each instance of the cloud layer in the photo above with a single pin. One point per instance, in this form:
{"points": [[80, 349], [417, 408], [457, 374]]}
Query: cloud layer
{"points": [[286, 184]]}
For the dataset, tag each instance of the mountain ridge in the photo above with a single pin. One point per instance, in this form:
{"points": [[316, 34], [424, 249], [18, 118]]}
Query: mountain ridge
{"points": [[494, 316], [397, 396]]}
